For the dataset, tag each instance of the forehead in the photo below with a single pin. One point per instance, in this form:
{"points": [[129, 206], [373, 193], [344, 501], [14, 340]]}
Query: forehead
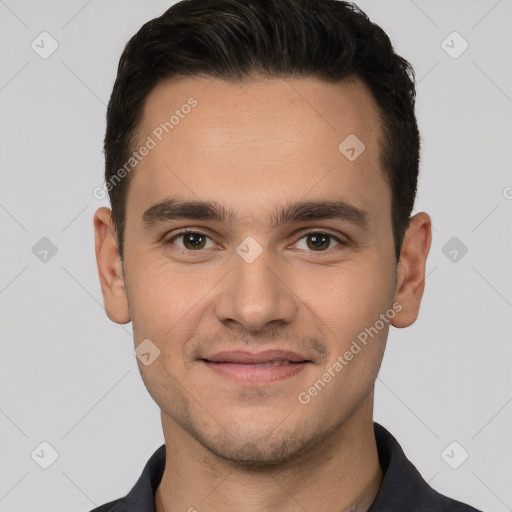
{"points": [[258, 143]]}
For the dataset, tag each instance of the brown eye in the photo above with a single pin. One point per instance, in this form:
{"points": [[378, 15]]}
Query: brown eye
{"points": [[319, 242], [192, 240]]}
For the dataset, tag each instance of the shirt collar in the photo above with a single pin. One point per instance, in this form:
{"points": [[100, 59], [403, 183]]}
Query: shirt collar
{"points": [[402, 486]]}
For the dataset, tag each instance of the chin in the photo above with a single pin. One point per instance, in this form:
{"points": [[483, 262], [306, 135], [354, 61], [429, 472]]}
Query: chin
{"points": [[259, 447]]}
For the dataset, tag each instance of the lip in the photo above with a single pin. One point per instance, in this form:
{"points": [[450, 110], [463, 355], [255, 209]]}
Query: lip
{"points": [[256, 368], [245, 357]]}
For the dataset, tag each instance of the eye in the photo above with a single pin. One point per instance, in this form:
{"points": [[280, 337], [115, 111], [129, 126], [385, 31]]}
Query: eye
{"points": [[318, 241], [192, 240]]}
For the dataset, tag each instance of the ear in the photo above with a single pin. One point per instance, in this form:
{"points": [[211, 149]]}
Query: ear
{"points": [[411, 269], [110, 269]]}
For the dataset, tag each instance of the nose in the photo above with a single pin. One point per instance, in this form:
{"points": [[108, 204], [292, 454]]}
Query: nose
{"points": [[256, 294]]}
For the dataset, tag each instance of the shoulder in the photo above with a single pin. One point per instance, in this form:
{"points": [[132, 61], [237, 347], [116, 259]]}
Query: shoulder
{"points": [[447, 504], [112, 506], [403, 487], [141, 496]]}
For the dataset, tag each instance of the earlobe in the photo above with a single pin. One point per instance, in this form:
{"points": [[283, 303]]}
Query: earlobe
{"points": [[411, 269], [110, 269]]}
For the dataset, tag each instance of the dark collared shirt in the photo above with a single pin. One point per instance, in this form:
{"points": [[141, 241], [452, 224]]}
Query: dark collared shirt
{"points": [[402, 489]]}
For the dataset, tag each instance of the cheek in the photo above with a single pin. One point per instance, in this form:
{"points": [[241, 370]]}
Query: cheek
{"points": [[162, 300], [356, 333], [348, 298]]}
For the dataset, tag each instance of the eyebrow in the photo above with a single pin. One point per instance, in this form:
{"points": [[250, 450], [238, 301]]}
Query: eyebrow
{"points": [[173, 209]]}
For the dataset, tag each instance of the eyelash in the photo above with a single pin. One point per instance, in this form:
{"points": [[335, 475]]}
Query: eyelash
{"points": [[183, 232]]}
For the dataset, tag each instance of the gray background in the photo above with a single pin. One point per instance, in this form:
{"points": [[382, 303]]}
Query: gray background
{"points": [[69, 376]]}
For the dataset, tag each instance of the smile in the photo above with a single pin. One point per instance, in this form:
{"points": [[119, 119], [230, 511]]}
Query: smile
{"points": [[257, 373]]}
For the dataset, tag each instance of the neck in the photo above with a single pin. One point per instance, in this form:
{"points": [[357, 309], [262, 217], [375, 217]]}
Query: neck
{"points": [[341, 473]]}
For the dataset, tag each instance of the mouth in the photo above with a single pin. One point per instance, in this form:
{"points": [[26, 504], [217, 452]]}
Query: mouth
{"points": [[257, 368]]}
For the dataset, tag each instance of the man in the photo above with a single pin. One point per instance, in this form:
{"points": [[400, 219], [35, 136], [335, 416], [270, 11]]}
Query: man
{"points": [[262, 162]]}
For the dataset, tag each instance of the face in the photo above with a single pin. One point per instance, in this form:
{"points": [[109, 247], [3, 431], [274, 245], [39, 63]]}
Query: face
{"points": [[258, 309]]}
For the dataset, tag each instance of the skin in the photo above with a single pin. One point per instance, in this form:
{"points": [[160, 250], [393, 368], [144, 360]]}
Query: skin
{"points": [[253, 146]]}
